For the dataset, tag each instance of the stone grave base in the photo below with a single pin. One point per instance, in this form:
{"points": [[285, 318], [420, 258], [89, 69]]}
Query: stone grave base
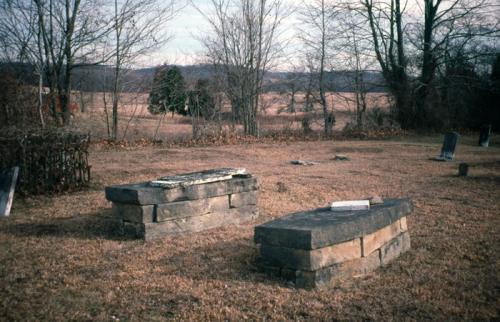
{"points": [[318, 248], [346, 260], [149, 212]]}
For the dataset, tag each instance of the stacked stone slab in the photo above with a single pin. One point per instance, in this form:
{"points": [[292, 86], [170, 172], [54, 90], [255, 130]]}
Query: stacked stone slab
{"points": [[319, 247], [149, 211]]}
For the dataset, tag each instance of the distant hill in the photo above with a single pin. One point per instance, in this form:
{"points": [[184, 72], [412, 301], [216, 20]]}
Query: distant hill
{"points": [[97, 78]]}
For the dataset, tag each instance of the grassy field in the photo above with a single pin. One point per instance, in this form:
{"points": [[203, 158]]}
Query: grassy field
{"points": [[61, 258], [135, 121]]}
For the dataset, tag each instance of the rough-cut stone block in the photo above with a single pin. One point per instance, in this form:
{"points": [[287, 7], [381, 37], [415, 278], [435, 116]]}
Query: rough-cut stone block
{"points": [[243, 199], [137, 194], [370, 263], [395, 247], [190, 208], [375, 240], [310, 259], [134, 213], [323, 227], [150, 231], [404, 224], [327, 276], [144, 194]]}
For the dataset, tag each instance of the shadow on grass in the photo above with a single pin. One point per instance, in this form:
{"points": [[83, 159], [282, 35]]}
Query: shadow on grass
{"points": [[87, 226], [483, 179], [234, 260]]}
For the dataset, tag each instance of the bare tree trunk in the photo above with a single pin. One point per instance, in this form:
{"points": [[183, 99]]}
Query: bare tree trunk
{"points": [[158, 126], [115, 94], [136, 106], [106, 114], [40, 98], [393, 65]]}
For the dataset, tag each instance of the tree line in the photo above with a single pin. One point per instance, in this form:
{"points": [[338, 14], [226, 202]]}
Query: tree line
{"points": [[439, 58]]}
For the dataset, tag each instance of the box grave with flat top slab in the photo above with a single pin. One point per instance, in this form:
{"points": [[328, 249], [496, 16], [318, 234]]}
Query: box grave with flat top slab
{"points": [[318, 247], [188, 202]]}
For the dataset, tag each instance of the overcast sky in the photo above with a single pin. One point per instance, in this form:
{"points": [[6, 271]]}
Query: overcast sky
{"points": [[184, 28], [189, 24]]}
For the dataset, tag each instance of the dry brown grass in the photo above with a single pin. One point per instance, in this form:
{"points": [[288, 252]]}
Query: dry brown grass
{"points": [[62, 260], [135, 122]]}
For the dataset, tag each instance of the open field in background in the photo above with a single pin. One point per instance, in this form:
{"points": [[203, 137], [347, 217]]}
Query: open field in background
{"points": [[62, 259], [136, 122]]}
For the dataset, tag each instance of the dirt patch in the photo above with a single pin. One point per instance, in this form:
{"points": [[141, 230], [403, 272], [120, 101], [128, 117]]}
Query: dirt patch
{"points": [[357, 150], [62, 259]]}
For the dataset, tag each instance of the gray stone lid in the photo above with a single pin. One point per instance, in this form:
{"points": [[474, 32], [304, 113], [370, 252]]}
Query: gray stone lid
{"points": [[145, 194], [199, 177], [322, 227]]}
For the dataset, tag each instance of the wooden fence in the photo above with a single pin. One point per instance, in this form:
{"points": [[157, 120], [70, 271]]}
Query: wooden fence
{"points": [[50, 161]]}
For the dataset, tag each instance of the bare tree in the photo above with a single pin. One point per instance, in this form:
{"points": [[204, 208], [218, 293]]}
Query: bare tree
{"points": [[425, 34], [385, 20], [244, 44], [138, 28], [65, 28], [317, 33], [447, 26], [21, 40], [354, 45]]}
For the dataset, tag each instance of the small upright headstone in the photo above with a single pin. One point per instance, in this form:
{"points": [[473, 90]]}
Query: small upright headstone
{"points": [[8, 179], [449, 145], [484, 135], [463, 169]]}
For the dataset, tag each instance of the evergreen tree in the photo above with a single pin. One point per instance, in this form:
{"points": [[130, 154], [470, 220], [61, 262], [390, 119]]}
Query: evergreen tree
{"points": [[168, 92]]}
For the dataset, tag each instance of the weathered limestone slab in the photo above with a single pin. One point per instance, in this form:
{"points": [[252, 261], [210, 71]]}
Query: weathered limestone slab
{"points": [[310, 259], [134, 213], [200, 177], [190, 208], [404, 224], [144, 194], [394, 248], [150, 231], [242, 199], [327, 276], [8, 180], [322, 227], [375, 240]]}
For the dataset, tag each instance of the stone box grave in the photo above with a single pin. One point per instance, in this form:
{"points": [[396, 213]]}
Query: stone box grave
{"points": [[318, 247], [189, 202]]}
